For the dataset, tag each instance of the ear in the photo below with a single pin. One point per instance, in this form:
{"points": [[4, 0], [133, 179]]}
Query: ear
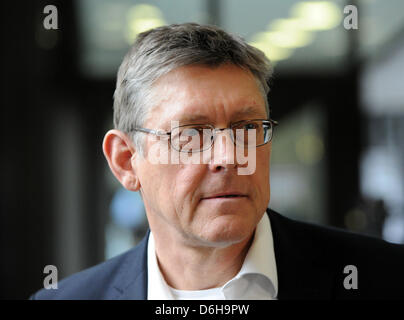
{"points": [[119, 150]]}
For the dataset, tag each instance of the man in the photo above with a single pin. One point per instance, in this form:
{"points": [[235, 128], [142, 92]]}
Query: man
{"points": [[191, 92]]}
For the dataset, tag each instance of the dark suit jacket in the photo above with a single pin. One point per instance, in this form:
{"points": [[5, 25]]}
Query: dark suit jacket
{"points": [[310, 262]]}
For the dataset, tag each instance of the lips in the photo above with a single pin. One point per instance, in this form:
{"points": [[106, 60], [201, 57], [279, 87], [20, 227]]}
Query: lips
{"points": [[225, 195]]}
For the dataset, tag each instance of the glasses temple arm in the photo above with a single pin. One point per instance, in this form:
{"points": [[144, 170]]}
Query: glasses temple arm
{"points": [[155, 132]]}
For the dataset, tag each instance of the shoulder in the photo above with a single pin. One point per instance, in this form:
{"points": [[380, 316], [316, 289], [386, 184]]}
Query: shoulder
{"points": [[332, 239], [103, 281], [316, 249]]}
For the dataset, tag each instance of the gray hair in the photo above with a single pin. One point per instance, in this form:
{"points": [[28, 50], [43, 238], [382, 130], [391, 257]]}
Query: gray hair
{"points": [[158, 51]]}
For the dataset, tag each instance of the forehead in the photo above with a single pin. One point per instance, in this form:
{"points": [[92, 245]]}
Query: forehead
{"points": [[200, 93]]}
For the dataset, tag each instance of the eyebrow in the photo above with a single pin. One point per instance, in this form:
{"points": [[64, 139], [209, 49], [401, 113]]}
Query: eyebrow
{"points": [[194, 117], [248, 111]]}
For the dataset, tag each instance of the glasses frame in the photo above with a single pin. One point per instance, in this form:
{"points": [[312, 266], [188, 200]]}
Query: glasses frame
{"points": [[161, 133]]}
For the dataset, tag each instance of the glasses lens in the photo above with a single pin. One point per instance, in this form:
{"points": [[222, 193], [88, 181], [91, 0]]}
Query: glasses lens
{"points": [[247, 132], [191, 138], [267, 131]]}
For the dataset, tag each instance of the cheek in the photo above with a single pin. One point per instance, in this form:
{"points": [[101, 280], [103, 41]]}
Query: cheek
{"points": [[155, 181], [187, 182], [173, 187], [262, 186], [263, 173]]}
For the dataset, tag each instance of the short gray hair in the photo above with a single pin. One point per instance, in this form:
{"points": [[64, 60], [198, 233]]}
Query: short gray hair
{"points": [[158, 51]]}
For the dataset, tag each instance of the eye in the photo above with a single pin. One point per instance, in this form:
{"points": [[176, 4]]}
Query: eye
{"points": [[250, 126], [192, 131]]}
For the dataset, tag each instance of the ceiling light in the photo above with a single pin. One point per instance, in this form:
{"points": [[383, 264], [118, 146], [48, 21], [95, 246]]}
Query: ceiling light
{"points": [[317, 15], [273, 52], [141, 18]]}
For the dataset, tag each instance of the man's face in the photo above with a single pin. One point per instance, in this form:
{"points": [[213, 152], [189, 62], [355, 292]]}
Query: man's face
{"points": [[180, 198]]}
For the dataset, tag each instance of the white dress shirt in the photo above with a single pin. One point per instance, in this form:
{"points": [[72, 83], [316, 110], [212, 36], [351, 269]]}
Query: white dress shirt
{"points": [[256, 280]]}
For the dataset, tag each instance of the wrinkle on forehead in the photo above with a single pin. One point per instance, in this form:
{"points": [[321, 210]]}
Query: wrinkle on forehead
{"points": [[200, 93]]}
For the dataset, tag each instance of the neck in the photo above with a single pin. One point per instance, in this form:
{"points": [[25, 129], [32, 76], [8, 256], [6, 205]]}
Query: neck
{"points": [[190, 267]]}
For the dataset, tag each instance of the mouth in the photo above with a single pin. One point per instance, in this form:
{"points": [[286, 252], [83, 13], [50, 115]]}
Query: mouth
{"points": [[228, 195]]}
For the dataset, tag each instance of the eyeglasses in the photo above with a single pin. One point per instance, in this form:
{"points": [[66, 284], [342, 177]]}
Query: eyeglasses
{"points": [[200, 137]]}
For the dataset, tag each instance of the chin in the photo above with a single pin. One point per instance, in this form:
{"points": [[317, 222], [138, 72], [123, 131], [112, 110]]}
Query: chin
{"points": [[227, 230]]}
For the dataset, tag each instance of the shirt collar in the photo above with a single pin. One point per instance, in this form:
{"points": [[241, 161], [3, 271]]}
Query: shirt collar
{"points": [[157, 288], [260, 260]]}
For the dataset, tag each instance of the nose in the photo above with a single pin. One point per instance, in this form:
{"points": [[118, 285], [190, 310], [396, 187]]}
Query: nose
{"points": [[223, 150]]}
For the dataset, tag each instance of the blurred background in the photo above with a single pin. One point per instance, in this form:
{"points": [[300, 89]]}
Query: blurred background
{"points": [[338, 153]]}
